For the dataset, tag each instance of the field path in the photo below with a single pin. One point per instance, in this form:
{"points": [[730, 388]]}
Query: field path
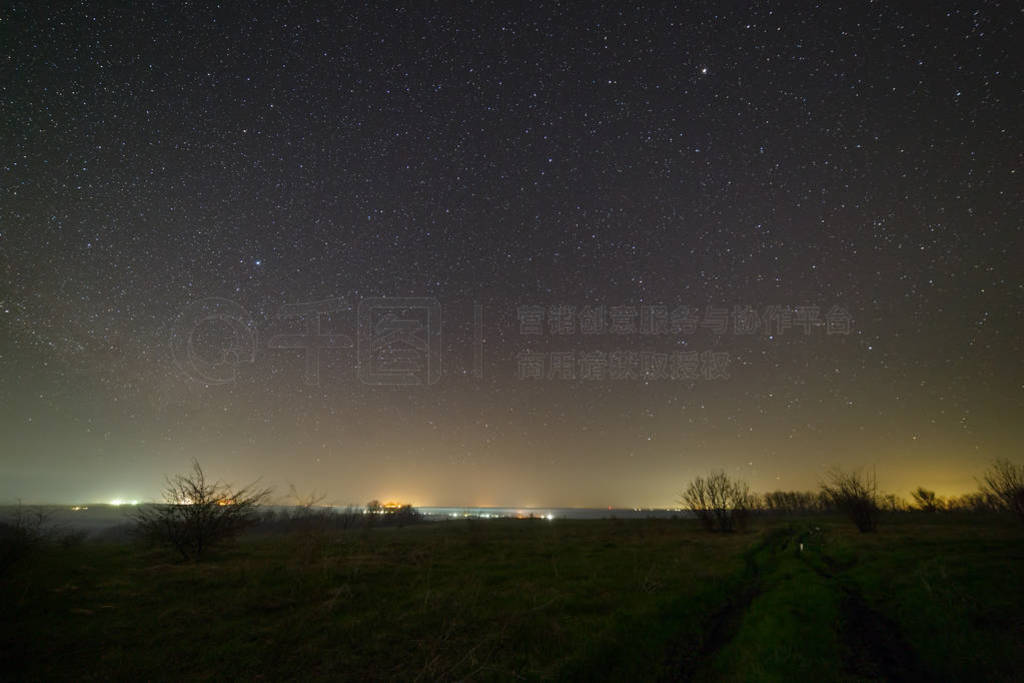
{"points": [[797, 616], [875, 647]]}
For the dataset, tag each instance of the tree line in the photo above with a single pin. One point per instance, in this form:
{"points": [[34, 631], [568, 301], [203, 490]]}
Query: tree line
{"points": [[198, 514], [724, 503]]}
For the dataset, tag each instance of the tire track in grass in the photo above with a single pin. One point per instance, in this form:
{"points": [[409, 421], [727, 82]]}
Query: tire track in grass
{"points": [[875, 647], [684, 660], [798, 616]]}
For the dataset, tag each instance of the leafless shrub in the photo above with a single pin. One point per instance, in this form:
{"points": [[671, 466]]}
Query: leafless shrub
{"points": [[307, 512], [791, 502], [973, 502], [350, 517], [198, 514], [720, 503], [890, 502], [307, 501], [926, 500], [25, 529], [311, 524], [1003, 483], [856, 494]]}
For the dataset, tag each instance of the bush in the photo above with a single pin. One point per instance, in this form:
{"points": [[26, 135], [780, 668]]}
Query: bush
{"points": [[378, 513], [197, 514], [308, 514], [855, 494], [351, 517], [1003, 484], [406, 514], [926, 500], [22, 532], [311, 524], [973, 502], [890, 502], [720, 503], [791, 502]]}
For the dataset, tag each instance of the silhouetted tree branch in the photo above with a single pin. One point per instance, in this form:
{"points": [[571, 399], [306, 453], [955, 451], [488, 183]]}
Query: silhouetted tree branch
{"points": [[720, 503], [198, 514], [1003, 483], [856, 494], [926, 500]]}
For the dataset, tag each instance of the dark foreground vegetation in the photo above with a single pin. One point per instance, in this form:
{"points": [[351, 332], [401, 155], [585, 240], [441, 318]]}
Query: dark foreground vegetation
{"points": [[925, 597]]}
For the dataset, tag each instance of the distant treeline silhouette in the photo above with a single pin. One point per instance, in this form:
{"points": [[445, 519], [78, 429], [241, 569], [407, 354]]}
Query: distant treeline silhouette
{"points": [[723, 503], [197, 514]]}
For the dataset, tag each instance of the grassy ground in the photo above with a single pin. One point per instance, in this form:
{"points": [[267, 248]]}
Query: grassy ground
{"points": [[510, 599]]}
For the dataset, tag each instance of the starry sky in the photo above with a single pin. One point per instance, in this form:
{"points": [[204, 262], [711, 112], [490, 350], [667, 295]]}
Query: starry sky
{"points": [[550, 254]]}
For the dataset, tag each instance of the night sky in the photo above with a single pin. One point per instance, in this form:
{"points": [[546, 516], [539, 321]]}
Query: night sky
{"points": [[564, 255]]}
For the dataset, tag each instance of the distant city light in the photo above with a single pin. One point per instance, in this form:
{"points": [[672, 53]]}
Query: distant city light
{"points": [[120, 501]]}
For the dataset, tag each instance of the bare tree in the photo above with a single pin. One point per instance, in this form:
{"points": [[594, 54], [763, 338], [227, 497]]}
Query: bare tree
{"points": [[720, 503], [791, 502], [311, 524], [856, 494], [306, 502], [1003, 483], [926, 500], [890, 502], [973, 502], [350, 516], [24, 530], [307, 510], [198, 514]]}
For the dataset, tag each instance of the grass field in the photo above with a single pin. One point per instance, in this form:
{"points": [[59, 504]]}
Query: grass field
{"points": [[922, 599]]}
